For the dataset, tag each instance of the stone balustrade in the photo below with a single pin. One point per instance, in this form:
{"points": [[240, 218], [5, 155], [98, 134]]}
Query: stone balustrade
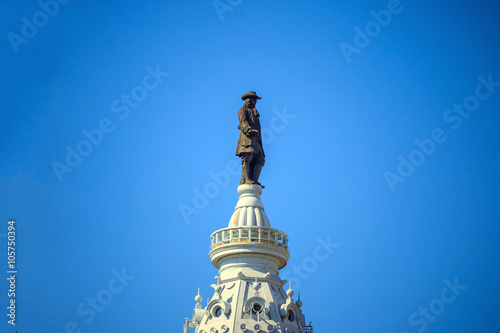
{"points": [[249, 234]]}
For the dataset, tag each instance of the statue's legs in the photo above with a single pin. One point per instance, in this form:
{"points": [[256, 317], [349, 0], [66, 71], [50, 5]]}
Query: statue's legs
{"points": [[245, 173], [259, 161], [243, 176], [247, 170], [251, 165]]}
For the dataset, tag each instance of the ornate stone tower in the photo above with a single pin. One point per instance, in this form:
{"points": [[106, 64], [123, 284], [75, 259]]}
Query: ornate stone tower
{"points": [[248, 292]]}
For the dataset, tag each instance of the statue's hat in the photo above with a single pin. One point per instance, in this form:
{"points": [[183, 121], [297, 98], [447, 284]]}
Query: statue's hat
{"points": [[250, 94]]}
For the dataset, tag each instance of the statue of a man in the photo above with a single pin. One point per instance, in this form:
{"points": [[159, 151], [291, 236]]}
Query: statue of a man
{"points": [[250, 142]]}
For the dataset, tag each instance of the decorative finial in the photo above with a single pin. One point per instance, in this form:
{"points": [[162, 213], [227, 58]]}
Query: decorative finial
{"points": [[299, 302], [198, 297], [289, 292]]}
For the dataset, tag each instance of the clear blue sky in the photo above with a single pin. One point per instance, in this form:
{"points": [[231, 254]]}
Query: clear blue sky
{"points": [[156, 85]]}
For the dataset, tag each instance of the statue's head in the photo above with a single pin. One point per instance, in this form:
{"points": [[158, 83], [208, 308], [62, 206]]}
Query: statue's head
{"points": [[250, 102], [250, 98]]}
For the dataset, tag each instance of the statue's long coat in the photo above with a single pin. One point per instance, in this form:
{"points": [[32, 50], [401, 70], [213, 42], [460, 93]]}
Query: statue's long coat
{"points": [[249, 119]]}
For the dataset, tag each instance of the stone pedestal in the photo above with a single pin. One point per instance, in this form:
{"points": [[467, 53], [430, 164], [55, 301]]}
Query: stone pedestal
{"points": [[249, 210]]}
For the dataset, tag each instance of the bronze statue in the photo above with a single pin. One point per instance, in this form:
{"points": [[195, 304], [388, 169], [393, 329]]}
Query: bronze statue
{"points": [[250, 142]]}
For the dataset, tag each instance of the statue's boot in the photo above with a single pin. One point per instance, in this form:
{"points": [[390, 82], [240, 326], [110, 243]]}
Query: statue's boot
{"points": [[246, 174], [243, 175], [257, 170]]}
